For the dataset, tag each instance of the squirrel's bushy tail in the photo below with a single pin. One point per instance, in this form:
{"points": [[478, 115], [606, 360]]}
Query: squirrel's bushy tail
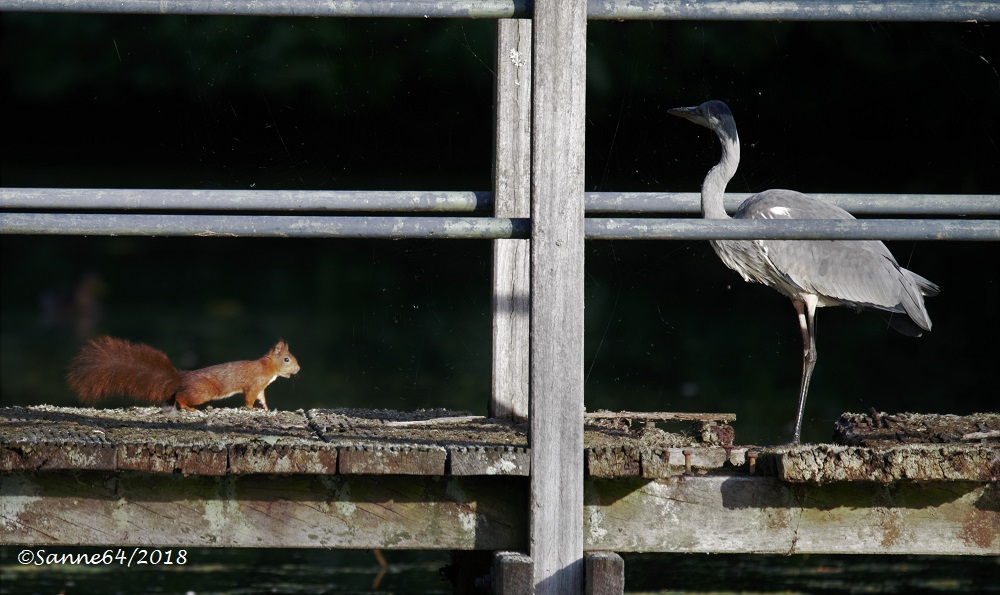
{"points": [[114, 367]]}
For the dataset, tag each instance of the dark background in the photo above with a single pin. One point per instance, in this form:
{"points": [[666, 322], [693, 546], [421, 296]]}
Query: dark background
{"points": [[289, 103]]}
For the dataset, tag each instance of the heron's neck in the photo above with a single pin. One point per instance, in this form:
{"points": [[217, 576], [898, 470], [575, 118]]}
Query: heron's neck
{"points": [[718, 177]]}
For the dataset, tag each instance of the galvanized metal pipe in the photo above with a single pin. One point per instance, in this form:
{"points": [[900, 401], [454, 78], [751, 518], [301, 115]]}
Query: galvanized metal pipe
{"points": [[95, 199], [938, 205], [493, 9], [727, 10], [648, 203], [792, 229], [487, 228], [794, 10]]}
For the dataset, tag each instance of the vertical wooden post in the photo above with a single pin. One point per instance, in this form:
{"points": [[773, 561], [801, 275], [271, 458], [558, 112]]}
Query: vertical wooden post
{"points": [[511, 574], [605, 574], [512, 198], [556, 404]]}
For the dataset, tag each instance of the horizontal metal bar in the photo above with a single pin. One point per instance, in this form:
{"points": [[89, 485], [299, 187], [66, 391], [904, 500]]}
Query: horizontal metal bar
{"points": [[490, 228], [728, 10], [243, 200], [792, 229], [795, 10], [650, 203], [485, 228], [493, 9], [969, 205]]}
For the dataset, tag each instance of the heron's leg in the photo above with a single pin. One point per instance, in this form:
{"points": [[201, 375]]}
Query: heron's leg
{"points": [[806, 309]]}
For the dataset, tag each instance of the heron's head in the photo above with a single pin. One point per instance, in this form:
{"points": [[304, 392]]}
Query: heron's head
{"points": [[714, 115]]}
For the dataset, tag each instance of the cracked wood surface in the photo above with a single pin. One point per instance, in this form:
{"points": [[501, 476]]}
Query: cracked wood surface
{"points": [[232, 441], [235, 441], [740, 514], [330, 511]]}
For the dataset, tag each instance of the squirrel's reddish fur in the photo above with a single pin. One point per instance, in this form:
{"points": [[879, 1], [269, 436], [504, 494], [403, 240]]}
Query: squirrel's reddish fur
{"points": [[107, 366]]}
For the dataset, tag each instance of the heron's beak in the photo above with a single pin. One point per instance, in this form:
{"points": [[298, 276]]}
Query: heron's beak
{"points": [[688, 113]]}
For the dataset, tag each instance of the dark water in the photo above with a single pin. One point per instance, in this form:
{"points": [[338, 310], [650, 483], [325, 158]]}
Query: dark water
{"points": [[243, 571]]}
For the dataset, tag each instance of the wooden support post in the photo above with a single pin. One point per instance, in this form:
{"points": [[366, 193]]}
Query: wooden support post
{"points": [[512, 574], [605, 574], [557, 275], [512, 198]]}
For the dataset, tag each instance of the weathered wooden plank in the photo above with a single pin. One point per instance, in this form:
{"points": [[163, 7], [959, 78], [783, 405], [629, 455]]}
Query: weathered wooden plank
{"points": [[392, 460], [700, 514], [913, 462], [57, 455], [557, 276], [484, 460], [614, 461], [605, 574], [880, 428], [216, 442], [153, 457], [238, 441], [511, 574], [659, 462], [764, 515], [141, 509], [512, 192], [660, 416], [202, 460], [261, 457]]}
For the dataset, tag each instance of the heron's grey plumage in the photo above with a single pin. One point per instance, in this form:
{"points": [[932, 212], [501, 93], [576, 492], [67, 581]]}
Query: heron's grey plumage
{"points": [[813, 273]]}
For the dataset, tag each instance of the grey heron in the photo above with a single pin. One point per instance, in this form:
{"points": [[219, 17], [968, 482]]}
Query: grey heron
{"points": [[813, 273]]}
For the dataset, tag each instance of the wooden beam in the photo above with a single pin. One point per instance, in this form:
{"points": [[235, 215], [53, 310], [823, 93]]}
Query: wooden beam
{"points": [[512, 198], [824, 463], [744, 514], [557, 276], [711, 514], [358, 512], [660, 416], [512, 574]]}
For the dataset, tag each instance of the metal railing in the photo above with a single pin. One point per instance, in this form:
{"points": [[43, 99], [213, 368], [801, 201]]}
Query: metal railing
{"points": [[80, 214]]}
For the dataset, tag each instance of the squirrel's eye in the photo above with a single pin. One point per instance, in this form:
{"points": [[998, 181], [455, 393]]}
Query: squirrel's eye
{"points": [[287, 360]]}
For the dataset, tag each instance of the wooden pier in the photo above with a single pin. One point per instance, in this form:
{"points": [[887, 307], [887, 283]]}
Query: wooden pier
{"points": [[442, 480]]}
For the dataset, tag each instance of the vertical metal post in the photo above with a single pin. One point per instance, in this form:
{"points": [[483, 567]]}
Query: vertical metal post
{"points": [[512, 198], [556, 403]]}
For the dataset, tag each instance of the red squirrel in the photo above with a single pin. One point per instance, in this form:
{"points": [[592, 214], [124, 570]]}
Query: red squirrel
{"points": [[107, 366]]}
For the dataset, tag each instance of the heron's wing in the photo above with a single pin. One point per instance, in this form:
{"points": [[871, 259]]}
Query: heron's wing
{"points": [[856, 273], [788, 204], [861, 273], [842, 271]]}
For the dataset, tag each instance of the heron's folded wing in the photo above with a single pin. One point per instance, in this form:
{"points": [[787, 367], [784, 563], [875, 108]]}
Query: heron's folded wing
{"points": [[858, 273]]}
